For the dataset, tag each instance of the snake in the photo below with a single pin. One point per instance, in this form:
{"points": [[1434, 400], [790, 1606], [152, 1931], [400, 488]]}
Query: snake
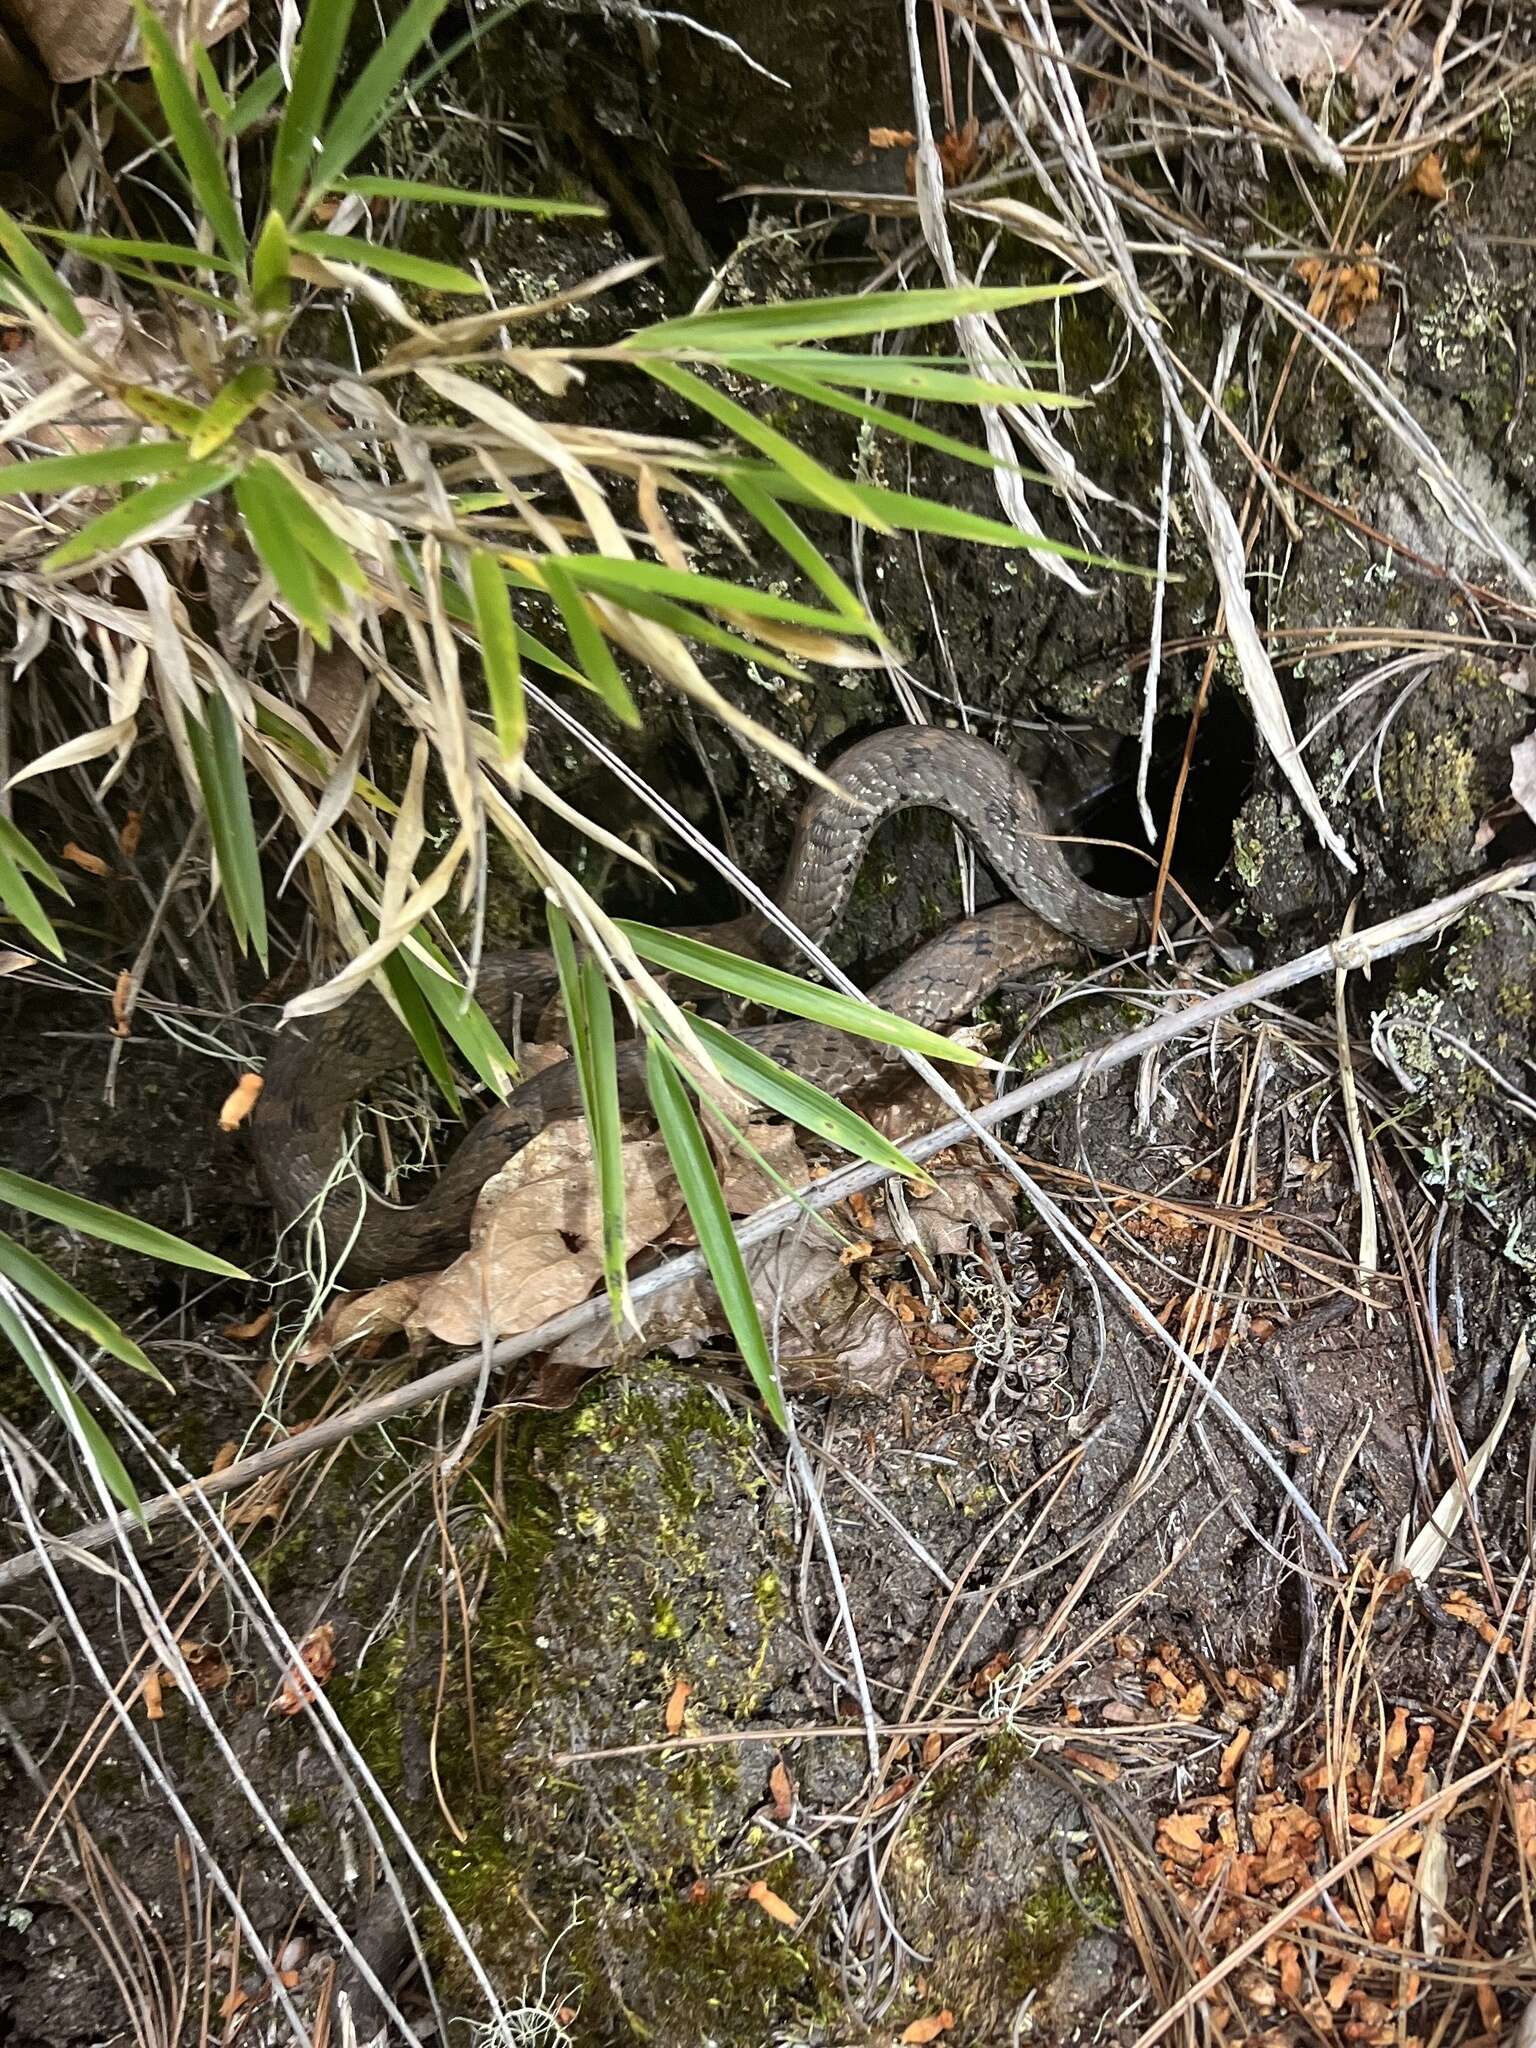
{"points": [[322, 1065]]}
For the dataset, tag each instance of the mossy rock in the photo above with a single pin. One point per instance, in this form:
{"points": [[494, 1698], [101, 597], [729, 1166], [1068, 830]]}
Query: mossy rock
{"points": [[646, 1554], [977, 1880], [1460, 1038]]}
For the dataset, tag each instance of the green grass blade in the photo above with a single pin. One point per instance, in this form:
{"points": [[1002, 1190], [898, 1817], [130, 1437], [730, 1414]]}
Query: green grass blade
{"points": [[700, 1184], [754, 1074], [910, 514], [263, 507], [111, 1226], [500, 655], [692, 626], [189, 131], [125, 522], [95, 1446], [448, 195], [422, 1025], [896, 376], [295, 150], [898, 423], [417, 270], [615, 579], [833, 492], [271, 266], [221, 773], [589, 1015], [19, 898], [37, 277], [801, 550], [461, 1016], [108, 249], [229, 407], [826, 319], [53, 1293], [311, 531], [366, 107], [776, 990], [255, 100], [600, 672], [219, 103]]}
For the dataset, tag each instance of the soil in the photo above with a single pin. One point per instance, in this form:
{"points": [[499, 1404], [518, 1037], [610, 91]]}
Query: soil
{"points": [[606, 1678]]}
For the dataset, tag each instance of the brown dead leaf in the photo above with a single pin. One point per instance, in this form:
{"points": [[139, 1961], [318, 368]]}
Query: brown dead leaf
{"points": [[964, 1201], [206, 1664], [132, 831], [224, 1456], [1232, 1756], [154, 1697], [317, 1661], [1097, 1766], [509, 1283], [338, 683], [240, 1101], [891, 138], [78, 41], [929, 2029], [770, 1903], [677, 1706], [363, 1323], [91, 863], [1428, 177], [781, 1790], [247, 1333], [122, 992]]}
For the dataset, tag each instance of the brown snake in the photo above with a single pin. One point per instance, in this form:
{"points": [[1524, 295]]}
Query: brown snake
{"points": [[321, 1066]]}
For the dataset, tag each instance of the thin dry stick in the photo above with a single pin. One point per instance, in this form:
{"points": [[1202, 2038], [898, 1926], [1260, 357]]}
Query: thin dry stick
{"points": [[1377, 942]]}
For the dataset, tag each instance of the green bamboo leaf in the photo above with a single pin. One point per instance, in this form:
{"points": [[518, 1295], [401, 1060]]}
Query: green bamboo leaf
{"points": [[263, 506], [228, 407], [600, 672], [461, 1016], [271, 266], [160, 408], [220, 767], [499, 654], [295, 150], [589, 1015], [833, 492], [898, 423], [52, 1292], [825, 319], [700, 1184], [754, 1073], [418, 270], [313, 532], [95, 1445], [776, 990], [449, 195], [110, 249], [111, 1226], [37, 277], [910, 514], [316, 759], [616, 579], [137, 514], [366, 107], [18, 859], [801, 550], [422, 1025], [255, 100], [896, 376], [189, 131], [692, 626]]}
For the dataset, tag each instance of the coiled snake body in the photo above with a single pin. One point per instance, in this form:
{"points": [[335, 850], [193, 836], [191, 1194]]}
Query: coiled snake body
{"points": [[322, 1065]]}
